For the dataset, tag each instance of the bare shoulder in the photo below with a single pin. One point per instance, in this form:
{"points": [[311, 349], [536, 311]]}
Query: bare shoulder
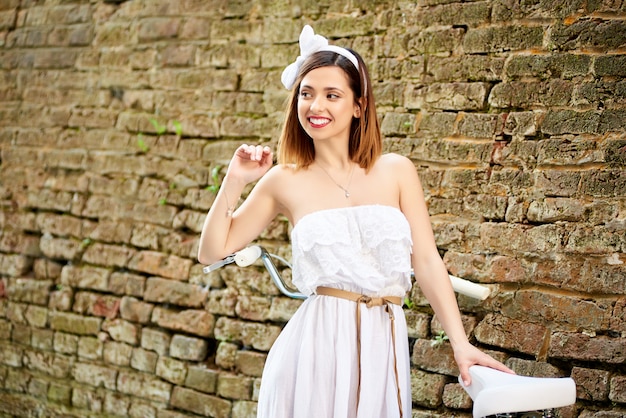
{"points": [[278, 174], [398, 164]]}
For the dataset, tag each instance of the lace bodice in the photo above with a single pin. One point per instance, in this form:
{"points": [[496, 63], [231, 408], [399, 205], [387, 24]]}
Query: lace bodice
{"points": [[365, 249]]}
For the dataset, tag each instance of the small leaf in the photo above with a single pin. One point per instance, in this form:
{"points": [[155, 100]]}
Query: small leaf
{"points": [[178, 127], [160, 129]]}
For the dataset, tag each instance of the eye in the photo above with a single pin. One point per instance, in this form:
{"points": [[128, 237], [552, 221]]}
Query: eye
{"points": [[305, 94], [332, 96]]}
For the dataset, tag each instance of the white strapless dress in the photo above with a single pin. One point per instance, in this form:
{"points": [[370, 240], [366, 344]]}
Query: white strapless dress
{"points": [[312, 368]]}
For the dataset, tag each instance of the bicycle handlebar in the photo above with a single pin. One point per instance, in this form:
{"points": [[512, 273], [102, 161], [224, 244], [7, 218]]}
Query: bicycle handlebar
{"points": [[249, 255]]}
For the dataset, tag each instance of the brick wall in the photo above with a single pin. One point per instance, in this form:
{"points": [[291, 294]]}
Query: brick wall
{"points": [[114, 116]]}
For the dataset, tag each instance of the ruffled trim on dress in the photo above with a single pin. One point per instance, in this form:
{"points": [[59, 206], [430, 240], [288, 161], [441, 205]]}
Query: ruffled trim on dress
{"points": [[364, 247]]}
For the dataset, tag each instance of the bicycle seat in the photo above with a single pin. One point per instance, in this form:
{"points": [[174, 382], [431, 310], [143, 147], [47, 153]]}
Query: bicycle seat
{"points": [[496, 392]]}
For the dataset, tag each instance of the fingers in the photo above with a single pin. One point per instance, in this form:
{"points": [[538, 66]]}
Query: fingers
{"points": [[465, 376], [255, 152]]}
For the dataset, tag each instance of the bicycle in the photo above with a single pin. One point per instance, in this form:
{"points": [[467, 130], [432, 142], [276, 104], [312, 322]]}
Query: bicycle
{"points": [[495, 394]]}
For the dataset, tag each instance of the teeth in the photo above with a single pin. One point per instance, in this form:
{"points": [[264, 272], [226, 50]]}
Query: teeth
{"points": [[317, 121]]}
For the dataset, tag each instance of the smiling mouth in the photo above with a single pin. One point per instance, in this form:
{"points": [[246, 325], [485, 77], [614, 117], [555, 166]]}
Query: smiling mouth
{"points": [[318, 122]]}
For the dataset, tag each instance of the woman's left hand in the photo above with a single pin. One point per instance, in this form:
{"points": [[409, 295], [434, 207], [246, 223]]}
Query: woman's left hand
{"points": [[468, 355]]}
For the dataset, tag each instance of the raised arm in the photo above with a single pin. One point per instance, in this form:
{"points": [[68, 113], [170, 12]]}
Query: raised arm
{"points": [[226, 228]]}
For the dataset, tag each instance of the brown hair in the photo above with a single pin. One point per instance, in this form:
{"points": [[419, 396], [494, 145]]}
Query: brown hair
{"points": [[365, 145]]}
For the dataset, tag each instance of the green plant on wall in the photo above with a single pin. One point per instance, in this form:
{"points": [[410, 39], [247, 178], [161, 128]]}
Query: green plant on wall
{"points": [[215, 179], [439, 339], [141, 143]]}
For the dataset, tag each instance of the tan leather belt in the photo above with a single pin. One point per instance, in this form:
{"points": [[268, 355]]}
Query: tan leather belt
{"points": [[385, 301]]}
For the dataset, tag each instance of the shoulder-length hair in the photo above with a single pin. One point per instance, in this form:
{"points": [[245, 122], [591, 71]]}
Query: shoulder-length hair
{"points": [[365, 144]]}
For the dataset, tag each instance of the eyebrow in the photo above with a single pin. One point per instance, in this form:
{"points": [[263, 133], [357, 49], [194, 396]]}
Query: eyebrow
{"points": [[306, 86]]}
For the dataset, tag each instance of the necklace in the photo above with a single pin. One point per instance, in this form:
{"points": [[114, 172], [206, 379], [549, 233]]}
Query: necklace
{"points": [[346, 192]]}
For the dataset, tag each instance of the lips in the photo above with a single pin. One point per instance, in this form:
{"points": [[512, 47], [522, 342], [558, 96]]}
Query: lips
{"points": [[317, 122]]}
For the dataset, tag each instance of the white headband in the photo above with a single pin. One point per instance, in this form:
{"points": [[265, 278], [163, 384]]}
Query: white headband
{"points": [[309, 44]]}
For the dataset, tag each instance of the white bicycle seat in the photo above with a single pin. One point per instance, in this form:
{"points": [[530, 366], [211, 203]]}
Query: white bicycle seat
{"points": [[496, 392]]}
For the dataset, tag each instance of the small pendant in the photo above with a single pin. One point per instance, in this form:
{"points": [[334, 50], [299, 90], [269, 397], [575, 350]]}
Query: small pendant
{"points": [[347, 193]]}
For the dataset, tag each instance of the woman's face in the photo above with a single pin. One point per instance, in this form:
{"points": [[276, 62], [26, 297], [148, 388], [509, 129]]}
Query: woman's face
{"points": [[326, 104]]}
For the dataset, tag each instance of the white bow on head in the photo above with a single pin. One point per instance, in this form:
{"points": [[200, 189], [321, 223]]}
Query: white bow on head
{"points": [[309, 44]]}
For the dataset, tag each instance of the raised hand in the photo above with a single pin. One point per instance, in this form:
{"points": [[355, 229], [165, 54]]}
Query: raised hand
{"points": [[249, 163]]}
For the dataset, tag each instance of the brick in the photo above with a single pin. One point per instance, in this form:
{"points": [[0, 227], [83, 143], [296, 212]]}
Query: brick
{"points": [[42, 339], [591, 384], [250, 363], [117, 353], [511, 239], [19, 243], [60, 248], [605, 183], [90, 348], [517, 94], [115, 403], [202, 379], [93, 375], [226, 355], [11, 355], [87, 399], [144, 360], [500, 331], [234, 386], [55, 365], [143, 386], [199, 403], [243, 409], [61, 299], [398, 124], [127, 283], [617, 389], [175, 293], [432, 357], [22, 334], [541, 307], [108, 255], [471, 14], [552, 66], [153, 29], [171, 370], [134, 310], [96, 304], [258, 336], [152, 262], [499, 39], [121, 330], [602, 34], [447, 96], [426, 388], [38, 388], [583, 347], [76, 324], [566, 151], [610, 65], [195, 322], [59, 393], [254, 308], [222, 301], [454, 396], [65, 343], [28, 290], [558, 122], [188, 348], [95, 278], [155, 340], [595, 240], [141, 410]]}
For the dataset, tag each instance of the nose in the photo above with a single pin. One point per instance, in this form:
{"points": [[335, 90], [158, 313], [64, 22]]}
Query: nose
{"points": [[317, 105]]}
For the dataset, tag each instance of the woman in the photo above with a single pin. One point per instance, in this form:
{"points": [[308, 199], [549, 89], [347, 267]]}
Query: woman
{"points": [[360, 224]]}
